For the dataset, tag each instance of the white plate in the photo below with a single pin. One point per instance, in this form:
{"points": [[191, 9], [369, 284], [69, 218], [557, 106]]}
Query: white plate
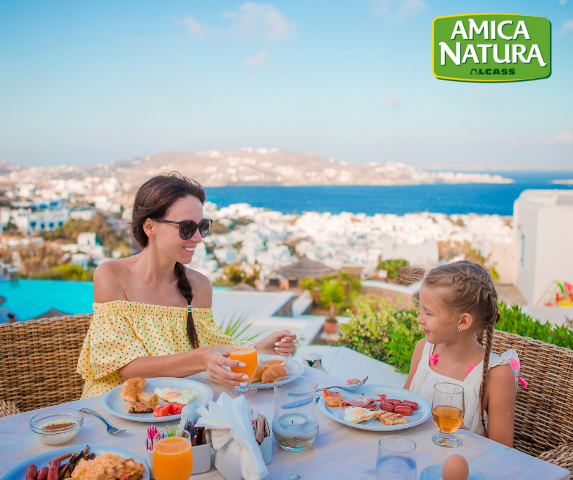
{"points": [[19, 471], [421, 415], [434, 472], [294, 369], [113, 403]]}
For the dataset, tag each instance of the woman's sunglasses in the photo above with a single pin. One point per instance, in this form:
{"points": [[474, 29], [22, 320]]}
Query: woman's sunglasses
{"points": [[187, 228]]}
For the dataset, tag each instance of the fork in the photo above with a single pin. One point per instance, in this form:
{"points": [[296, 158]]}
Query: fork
{"points": [[110, 430], [350, 388]]}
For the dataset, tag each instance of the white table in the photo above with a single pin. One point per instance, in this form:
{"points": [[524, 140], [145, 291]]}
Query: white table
{"points": [[340, 452]]}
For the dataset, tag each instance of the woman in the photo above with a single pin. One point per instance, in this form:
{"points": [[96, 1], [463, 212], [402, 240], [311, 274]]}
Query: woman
{"points": [[152, 315]]}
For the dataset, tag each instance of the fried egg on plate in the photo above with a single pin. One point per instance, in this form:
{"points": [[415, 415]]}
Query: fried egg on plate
{"points": [[357, 414], [174, 395]]}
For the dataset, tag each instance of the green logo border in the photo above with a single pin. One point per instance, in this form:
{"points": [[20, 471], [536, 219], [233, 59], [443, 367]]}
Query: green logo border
{"points": [[493, 81]]}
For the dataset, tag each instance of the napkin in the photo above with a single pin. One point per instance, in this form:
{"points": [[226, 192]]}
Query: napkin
{"points": [[231, 420]]}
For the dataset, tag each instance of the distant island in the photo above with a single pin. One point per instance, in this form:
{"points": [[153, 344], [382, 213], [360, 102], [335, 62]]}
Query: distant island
{"points": [[563, 182], [246, 166]]}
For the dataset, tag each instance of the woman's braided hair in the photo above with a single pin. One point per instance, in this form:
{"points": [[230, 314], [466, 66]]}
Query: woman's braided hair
{"points": [[466, 287], [153, 200]]}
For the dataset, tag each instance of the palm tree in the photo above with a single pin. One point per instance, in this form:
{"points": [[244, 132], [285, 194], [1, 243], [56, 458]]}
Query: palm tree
{"points": [[332, 296]]}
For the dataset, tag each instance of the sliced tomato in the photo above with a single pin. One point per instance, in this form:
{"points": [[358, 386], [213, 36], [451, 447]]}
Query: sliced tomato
{"points": [[176, 408]]}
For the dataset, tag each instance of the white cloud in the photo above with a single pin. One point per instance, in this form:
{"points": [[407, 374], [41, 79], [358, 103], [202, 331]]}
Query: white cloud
{"points": [[195, 28], [393, 101], [566, 27], [482, 92], [396, 9], [562, 138], [562, 2], [261, 21], [258, 58]]}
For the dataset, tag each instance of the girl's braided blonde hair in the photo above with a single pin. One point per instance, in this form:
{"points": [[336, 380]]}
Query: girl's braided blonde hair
{"points": [[466, 287]]}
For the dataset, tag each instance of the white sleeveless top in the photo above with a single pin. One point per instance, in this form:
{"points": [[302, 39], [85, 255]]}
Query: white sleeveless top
{"points": [[425, 378]]}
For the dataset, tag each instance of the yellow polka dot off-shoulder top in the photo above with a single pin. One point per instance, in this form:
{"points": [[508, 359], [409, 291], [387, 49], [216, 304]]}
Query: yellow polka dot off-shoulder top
{"points": [[122, 331]]}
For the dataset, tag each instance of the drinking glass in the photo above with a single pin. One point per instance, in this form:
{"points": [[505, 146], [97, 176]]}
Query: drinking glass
{"points": [[396, 459], [448, 413], [172, 456], [295, 423], [246, 352]]}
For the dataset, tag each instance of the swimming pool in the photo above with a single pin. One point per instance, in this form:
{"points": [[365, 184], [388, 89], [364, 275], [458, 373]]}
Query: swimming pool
{"points": [[31, 298]]}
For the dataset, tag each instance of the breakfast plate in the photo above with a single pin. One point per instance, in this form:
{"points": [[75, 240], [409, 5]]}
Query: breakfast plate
{"points": [[419, 416], [19, 471], [294, 369], [113, 403], [434, 472]]}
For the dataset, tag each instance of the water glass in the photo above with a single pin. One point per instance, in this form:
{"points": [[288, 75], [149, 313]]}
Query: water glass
{"points": [[246, 352], [396, 459], [447, 413]]}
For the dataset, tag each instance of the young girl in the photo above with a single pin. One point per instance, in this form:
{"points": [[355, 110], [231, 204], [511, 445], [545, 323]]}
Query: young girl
{"points": [[152, 316], [458, 313]]}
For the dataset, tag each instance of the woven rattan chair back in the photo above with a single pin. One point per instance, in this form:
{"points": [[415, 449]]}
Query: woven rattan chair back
{"points": [[38, 361], [543, 410], [8, 408]]}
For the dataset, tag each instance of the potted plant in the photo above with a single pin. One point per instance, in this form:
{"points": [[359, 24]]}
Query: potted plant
{"points": [[332, 296]]}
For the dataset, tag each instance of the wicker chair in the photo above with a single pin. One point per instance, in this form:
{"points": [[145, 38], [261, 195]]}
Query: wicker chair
{"points": [[38, 361], [8, 408], [543, 410]]}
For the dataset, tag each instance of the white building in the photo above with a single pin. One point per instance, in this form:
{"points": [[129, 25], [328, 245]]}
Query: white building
{"points": [[82, 214], [29, 221], [544, 233]]}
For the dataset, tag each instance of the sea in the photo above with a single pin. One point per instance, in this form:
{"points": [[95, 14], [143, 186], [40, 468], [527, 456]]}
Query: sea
{"points": [[462, 198]]}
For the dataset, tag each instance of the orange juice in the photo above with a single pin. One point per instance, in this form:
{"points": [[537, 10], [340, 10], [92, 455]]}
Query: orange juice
{"points": [[446, 418], [172, 459], [246, 355]]}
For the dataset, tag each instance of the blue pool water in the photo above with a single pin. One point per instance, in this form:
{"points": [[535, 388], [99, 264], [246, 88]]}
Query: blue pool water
{"points": [[31, 298]]}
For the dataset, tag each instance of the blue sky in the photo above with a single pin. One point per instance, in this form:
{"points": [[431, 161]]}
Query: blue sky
{"points": [[94, 82]]}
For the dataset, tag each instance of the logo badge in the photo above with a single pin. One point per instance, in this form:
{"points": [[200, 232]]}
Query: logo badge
{"points": [[491, 47]]}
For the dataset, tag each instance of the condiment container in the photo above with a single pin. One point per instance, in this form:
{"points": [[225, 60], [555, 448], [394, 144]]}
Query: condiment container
{"points": [[58, 426]]}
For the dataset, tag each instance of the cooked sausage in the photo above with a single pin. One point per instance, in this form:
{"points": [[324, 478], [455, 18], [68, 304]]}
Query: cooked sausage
{"points": [[393, 401], [404, 410], [414, 405], [54, 472], [43, 473], [31, 472], [387, 406]]}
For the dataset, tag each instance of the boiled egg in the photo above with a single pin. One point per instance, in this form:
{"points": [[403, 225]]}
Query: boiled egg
{"points": [[455, 468], [357, 414], [173, 395]]}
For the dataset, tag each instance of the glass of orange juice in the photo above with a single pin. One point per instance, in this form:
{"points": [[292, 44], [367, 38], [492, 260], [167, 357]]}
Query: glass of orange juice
{"points": [[246, 352], [172, 455], [447, 413]]}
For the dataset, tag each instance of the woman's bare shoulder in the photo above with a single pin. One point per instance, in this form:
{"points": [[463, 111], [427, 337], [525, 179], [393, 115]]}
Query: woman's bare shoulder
{"points": [[202, 289], [109, 281]]}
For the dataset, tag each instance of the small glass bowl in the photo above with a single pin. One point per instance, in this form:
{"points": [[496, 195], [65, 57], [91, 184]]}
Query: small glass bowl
{"points": [[269, 360], [59, 436]]}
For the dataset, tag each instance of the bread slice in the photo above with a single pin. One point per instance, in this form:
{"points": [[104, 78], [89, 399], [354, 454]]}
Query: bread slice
{"points": [[332, 399], [137, 407], [388, 418]]}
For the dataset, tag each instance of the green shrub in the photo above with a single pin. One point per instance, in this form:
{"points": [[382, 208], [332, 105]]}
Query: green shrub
{"points": [[390, 335], [66, 272], [393, 267]]}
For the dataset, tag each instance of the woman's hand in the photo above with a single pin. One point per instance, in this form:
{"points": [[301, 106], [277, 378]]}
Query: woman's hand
{"points": [[278, 343], [217, 357]]}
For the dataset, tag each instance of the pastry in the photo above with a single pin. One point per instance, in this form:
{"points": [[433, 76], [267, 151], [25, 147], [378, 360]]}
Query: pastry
{"points": [[258, 373], [137, 407], [151, 399], [332, 399], [272, 373], [129, 392]]}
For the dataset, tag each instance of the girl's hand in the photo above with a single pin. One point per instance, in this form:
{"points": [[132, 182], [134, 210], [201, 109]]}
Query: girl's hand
{"points": [[352, 381], [217, 357], [278, 343]]}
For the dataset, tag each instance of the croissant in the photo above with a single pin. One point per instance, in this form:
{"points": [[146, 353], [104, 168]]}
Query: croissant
{"points": [[274, 372]]}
